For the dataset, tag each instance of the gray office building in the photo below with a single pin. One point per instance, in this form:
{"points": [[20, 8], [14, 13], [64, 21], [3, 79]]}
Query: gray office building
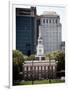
{"points": [[51, 31]]}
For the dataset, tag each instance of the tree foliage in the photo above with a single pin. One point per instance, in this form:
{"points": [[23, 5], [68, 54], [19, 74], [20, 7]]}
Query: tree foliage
{"points": [[31, 57], [58, 56], [18, 60], [18, 57]]}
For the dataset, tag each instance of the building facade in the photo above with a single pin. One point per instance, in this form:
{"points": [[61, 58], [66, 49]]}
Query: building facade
{"points": [[26, 30], [50, 27], [63, 46], [35, 70]]}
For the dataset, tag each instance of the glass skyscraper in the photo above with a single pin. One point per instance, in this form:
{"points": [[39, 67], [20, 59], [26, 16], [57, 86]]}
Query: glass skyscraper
{"points": [[26, 30]]}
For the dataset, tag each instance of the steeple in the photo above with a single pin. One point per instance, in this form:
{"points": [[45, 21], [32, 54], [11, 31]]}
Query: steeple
{"points": [[40, 40], [40, 33], [40, 47]]}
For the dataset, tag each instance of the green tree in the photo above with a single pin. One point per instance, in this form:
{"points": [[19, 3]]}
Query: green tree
{"points": [[60, 57], [18, 60], [61, 61], [31, 57], [49, 56]]}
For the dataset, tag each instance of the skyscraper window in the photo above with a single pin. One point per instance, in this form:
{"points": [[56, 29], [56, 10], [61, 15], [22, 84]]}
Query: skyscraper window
{"points": [[56, 20], [47, 21], [50, 21], [53, 20], [25, 30], [43, 20]]}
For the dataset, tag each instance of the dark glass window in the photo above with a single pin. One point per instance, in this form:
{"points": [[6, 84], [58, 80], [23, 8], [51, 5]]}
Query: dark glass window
{"points": [[56, 21], [25, 34], [47, 21], [28, 52], [43, 20], [50, 21], [27, 45]]}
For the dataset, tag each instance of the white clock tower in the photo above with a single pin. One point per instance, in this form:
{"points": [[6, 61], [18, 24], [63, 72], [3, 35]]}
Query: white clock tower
{"points": [[40, 48]]}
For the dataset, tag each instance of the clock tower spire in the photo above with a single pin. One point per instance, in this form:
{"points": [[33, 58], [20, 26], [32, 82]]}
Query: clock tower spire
{"points": [[40, 47]]}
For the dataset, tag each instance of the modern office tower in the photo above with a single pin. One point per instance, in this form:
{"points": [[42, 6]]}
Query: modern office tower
{"points": [[50, 27], [26, 30]]}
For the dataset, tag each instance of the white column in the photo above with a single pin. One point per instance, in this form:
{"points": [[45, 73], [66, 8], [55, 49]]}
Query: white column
{"points": [[29, 68], [42, 67], [39, 67], [53, 67], [46, 67], [25, 68]]}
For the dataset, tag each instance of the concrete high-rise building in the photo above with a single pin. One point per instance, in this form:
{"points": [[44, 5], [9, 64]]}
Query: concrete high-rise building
{"points": [[50, 27], [63, 46], [26, 30]]}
